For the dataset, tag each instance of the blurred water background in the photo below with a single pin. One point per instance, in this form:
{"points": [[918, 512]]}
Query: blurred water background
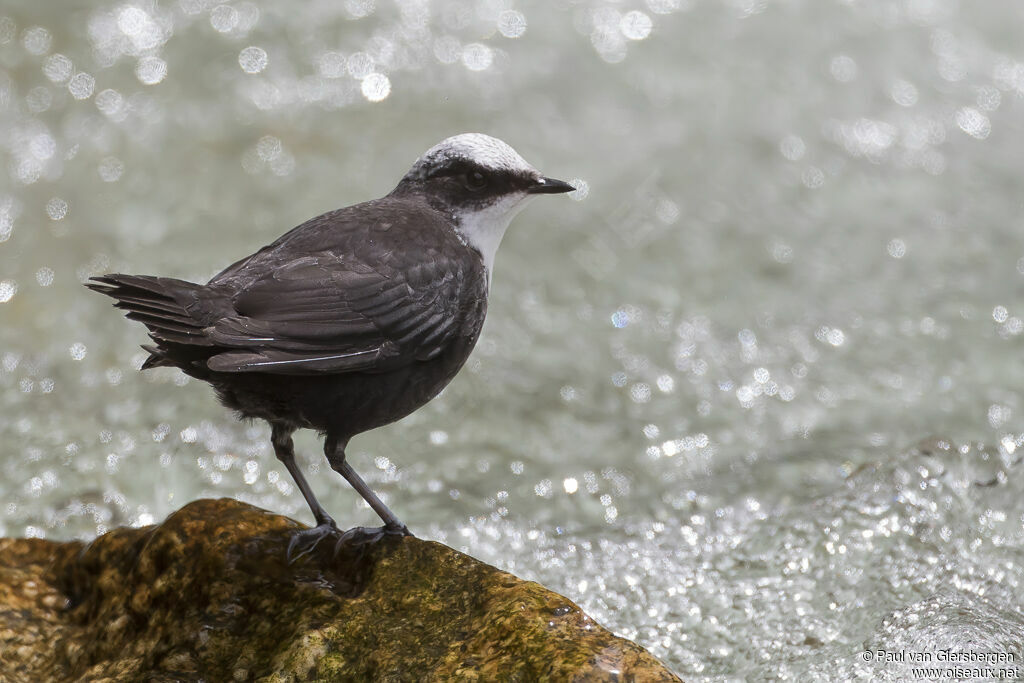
{"points": [[753, 399]]}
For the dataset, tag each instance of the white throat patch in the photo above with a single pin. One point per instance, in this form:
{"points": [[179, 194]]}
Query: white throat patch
{"points": [[484, 229]]}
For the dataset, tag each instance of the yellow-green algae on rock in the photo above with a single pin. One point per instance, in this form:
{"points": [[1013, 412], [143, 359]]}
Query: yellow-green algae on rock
{"points": [[208, 595]]}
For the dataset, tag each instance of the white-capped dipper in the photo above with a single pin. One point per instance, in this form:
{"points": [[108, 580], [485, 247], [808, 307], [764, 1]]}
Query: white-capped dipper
{"points": [[355, 318]]}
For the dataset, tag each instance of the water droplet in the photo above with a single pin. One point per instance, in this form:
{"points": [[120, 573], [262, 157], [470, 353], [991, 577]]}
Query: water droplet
{"points": [[268, 147], [897, 248], [375, 87], [56, 208], [667, 211], [8, 288], [903, 93], [253, 59], [581, 191], [477, 57], [44, 276], [111, 103], [28, 171], [252, 472], [42, 146], [36, 40], [511, 23], [360, 65], [998, 415], [792, 147], [973, 122], [813, 177], [224, 18], [609, 43], [640, 392], [58, 68], [635, 25], [248, 16], [77, 351], [81, 86], [151, 70], [132, 21]]}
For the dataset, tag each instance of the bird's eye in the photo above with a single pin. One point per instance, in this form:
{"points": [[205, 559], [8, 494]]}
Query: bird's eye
{"points": [[475, 181]]}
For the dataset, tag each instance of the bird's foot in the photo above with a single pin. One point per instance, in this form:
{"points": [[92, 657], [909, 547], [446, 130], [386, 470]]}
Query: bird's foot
{"points": [[305, 542], [361, 535]]}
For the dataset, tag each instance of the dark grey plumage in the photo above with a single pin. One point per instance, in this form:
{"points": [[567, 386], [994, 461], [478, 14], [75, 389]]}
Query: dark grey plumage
{"points": [[353, 319]]}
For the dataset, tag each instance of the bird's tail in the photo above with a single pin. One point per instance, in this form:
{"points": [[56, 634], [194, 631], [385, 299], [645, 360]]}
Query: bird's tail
{"points": [[166, 306]]}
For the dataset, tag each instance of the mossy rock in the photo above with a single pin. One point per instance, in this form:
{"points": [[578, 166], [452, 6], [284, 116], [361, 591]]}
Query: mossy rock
{"points": [[208, 595]]}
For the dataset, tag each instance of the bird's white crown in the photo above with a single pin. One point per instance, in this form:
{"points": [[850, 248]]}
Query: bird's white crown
{"points": [[481, 149]]}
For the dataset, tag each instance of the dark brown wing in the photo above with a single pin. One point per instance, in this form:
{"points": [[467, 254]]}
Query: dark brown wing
{"points": [[329, 313], [366, 288]]}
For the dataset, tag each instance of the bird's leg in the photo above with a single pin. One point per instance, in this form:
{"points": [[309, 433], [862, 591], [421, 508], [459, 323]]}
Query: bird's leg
{"points": [[334, 449], [284, 449], [303, 542]]}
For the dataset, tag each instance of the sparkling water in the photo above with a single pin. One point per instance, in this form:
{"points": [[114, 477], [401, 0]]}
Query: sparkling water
{"points": [[752, 399]]}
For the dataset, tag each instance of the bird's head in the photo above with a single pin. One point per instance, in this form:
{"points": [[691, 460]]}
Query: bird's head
{"points": [[481, 183]]}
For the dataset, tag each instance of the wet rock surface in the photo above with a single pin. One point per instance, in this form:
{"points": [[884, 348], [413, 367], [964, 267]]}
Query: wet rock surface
{"points": [[208, 594]]}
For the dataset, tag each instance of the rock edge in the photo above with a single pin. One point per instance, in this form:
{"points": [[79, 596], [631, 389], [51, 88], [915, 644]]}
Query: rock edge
{"points": [[208, 595]]}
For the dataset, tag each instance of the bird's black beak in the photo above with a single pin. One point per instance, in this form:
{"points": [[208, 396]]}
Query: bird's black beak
{"points": [[549, 186]]}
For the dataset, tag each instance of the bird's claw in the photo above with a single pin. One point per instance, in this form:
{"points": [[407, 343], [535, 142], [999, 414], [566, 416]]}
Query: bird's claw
{"points": [[361, 535], [304, 542]]}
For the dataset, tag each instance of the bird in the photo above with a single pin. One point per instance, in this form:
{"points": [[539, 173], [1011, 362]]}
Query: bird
{"points": [[352, 320]]}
